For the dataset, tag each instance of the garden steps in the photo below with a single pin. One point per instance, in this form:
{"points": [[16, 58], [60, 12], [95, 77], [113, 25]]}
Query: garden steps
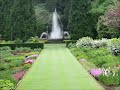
{"points": [[57, 69]]}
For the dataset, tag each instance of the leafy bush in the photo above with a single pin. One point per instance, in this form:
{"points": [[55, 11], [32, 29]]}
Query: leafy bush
{"points": [[26, 66], [5, 42], [5, 52], [15, 63], [99, 43], [110, 78], [4, 66], [7, 75], [16, 57], [31, 45], [71, 45], [37, 49], [67, 42], [5, 48], [23, 49], [6, 85], [84, 42], [34, 40], [18, 41], [114, 46]]}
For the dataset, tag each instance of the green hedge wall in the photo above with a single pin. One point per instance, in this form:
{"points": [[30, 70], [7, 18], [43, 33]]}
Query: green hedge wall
{"points": [[67, 42], [31, 45]]}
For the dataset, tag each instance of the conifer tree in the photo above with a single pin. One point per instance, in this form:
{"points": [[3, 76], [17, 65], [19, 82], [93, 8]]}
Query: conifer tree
{"points": [[80, 20], [22, 21]]}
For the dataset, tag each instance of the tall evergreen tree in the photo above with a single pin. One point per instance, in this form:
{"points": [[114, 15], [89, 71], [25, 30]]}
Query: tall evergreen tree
{"points": [[5, 11], [22, 23], [80, 20]]}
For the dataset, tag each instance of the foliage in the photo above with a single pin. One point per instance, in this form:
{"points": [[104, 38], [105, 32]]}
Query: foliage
{"points": [[107, 19], [15, 63], [112, 16], [34, 40], [42, 16], [18, 40], [100, 43], [111, 78], [67, 42], [23, 49], [84, 42], [114, 46], [7, 75], [31, 53], [80, 20], [15, 24], [26, 66], [3, 67], [100, 6], [5, 52], [6, 85], [99, 58], [71, 45], [6, 42], [31, 45]]}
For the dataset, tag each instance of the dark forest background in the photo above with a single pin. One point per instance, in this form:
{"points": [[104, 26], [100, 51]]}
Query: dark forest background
{"points": [[22, 19]]}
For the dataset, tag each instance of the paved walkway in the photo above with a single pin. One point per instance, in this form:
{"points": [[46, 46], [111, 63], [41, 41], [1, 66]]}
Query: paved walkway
{"points": [[57, 69]]}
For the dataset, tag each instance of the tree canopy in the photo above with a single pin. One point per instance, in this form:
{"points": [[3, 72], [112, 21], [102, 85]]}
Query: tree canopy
{"points": [[23, 19]]}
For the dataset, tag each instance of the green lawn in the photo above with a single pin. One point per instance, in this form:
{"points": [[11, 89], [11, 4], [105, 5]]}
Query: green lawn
{"points": [[57, 69]]}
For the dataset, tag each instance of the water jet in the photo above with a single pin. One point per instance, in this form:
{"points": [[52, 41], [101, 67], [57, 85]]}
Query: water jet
{"points": [[55, 29]]}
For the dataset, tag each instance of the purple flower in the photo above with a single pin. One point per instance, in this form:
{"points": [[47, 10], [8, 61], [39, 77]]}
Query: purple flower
{"points": [[95, 72]]}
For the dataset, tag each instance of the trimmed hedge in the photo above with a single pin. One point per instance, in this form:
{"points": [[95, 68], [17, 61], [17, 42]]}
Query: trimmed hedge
{"points": [[69, 41], [31, 45]]}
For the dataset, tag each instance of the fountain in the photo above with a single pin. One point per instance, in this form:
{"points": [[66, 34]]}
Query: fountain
{"points": [[57, 32]]}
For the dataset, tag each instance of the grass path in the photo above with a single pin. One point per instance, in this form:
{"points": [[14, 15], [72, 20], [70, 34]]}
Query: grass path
{"points": [[57, 69]]}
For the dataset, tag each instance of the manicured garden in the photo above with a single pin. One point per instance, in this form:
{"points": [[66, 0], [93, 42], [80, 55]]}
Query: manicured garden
{"points": [[57, 68], [14, 64], [101, 58]]}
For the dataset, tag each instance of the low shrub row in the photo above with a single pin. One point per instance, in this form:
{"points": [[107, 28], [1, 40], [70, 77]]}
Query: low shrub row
{"points": [[112, 44], [67, 42], [31, 45]]}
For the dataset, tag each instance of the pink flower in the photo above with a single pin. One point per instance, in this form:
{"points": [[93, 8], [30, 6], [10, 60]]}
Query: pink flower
{"points": [[29, 61], [18, 75], [95, 72]]}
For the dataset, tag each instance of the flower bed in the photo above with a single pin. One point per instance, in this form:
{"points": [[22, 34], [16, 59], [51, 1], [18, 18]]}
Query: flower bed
{"points": [[104, 54], [13, 66]]}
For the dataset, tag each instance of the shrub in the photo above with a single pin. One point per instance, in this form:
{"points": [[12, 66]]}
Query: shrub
{"points": [[5, 48], [71, 45], [114, 46], [15, 63], [84, 42], [110, 77], [34, 40], [7, 75], [67, 42], [37, 49], [99, 43], [5, 52], [31, 45], [18, 41], [6, 85], [26, 66], [4, 66], [16, 57], [23, 49]]}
